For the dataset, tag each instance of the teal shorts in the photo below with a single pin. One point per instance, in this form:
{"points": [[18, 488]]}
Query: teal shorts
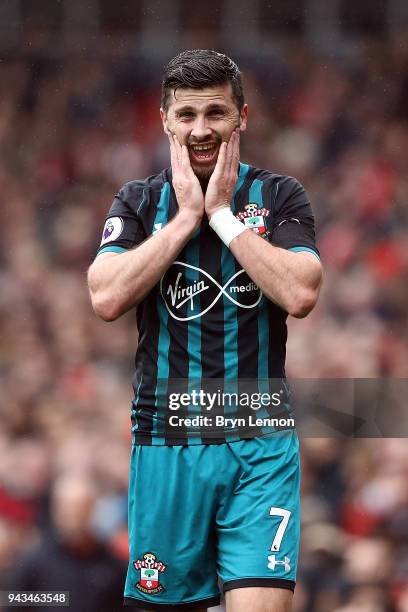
{"points": [[204, 514]]}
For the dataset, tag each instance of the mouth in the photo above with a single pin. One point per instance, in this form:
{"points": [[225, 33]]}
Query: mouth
{"points": [[203, 153]]}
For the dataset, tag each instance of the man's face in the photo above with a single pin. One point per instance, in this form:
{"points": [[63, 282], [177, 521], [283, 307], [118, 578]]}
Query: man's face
{"points": [[202, 119]]}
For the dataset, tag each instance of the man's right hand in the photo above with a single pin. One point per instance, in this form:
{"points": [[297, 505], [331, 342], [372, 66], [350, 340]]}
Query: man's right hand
{"points": [[119, 281], [186, 185]]}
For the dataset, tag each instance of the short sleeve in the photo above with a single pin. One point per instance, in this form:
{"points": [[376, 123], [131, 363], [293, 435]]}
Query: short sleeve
{"points": [[123, 228], [293, 224]]}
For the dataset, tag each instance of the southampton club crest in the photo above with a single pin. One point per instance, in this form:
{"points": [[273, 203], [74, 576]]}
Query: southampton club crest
{"points": [[150, 570], [254, 218]]}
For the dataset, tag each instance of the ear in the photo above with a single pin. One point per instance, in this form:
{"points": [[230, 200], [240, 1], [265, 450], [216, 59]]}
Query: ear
{"points": [[163, 116], [243, 118]]}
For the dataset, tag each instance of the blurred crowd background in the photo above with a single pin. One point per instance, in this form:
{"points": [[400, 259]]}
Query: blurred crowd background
{"points": [[79, 95]]}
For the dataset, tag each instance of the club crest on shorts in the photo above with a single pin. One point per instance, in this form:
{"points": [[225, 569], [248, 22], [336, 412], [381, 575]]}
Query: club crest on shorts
{"points": [[254, 218], [150, 570]]}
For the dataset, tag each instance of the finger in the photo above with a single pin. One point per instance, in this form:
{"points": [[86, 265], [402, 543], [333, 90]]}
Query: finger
{"points": [[177, 147], [236, 153], [229, 153], [173, 153], [231, 173], [185, 159], [220, 165]]}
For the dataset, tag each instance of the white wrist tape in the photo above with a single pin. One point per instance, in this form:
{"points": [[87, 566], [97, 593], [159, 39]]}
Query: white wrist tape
{"points": [[226, 225]]}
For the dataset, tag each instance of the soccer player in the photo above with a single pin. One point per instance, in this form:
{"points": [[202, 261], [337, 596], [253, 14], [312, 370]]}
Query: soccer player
{"points": [[214, 254]]}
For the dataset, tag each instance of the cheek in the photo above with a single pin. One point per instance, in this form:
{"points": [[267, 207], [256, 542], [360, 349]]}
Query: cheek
{"points": [[179, 130], [229, 126], [182, 136]]}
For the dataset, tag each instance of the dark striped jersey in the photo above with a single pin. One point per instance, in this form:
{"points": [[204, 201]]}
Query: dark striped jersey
{"points": [[206, 320]]}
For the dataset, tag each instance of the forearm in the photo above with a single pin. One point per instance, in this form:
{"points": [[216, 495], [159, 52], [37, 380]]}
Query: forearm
{"points": [[121, 281], [291, 280]]}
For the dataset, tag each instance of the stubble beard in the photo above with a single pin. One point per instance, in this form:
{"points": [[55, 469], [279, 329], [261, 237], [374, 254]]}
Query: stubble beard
{"points": [[203, 174]]}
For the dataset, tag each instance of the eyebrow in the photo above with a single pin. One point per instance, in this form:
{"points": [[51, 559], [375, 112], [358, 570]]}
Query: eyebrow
{"points": [[211, 107], [182, 109]]}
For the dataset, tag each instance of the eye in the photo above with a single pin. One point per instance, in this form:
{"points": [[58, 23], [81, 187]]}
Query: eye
{"points": [[216, 114], [185, 115]]}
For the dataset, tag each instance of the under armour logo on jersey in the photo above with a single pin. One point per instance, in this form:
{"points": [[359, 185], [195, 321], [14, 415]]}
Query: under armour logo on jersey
{"points": [[273, 562], [189, 292]]}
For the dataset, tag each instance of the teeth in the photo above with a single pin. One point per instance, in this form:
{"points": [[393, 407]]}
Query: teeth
{"points": [[203, 147]]}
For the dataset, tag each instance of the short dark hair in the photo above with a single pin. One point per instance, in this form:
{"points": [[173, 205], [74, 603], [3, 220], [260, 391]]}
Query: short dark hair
{"points": [[200, 68]]}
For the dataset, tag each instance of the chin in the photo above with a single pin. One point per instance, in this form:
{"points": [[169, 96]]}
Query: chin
{"points": [[203, 173]]}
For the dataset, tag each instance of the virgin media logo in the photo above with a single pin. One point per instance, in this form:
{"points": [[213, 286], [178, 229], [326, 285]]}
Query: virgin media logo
{"points": [[190, 292]]}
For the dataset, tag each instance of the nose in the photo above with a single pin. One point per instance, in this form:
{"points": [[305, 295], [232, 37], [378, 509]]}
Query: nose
{"points": [[200, 130]]}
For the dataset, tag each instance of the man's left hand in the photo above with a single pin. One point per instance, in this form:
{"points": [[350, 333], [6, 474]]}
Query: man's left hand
{"points": [[221, 185]]}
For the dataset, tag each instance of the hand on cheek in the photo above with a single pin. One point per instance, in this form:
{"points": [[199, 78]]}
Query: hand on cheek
{"points": [[186, 185], [221, 186]]}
